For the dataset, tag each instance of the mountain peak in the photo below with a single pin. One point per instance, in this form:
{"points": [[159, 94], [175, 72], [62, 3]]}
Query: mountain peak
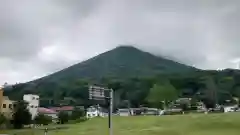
{"points": [[126, 48], [122, 62]]}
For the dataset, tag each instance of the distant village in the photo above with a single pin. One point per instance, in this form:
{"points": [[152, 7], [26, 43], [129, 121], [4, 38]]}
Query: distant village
{"points": [[33, 105]]}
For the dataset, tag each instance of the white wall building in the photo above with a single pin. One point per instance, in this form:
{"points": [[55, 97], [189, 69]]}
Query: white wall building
{"points": [[33, 104], [96, 111], [125, 112], [230, 108]]}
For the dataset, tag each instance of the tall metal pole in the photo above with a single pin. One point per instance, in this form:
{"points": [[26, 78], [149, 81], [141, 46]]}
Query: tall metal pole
{"points": [[98, 93], [110, 112]]}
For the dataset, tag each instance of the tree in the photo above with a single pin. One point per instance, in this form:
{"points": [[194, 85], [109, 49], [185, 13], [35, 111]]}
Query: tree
{"points": [[3, 119], [161, 93], [226, 83], [63, 117], [236, 91], [211, 95], [77, 113], [124, 104], [21, 115], [42, 119]]}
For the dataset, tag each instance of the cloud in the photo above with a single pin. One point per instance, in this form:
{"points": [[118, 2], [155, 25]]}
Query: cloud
{"points": [[41, 37]]}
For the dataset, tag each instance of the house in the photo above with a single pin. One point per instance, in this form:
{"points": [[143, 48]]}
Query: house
{"points": [[171, 111], [7, 107], [124, 112], [231, 108], [33, 104], [48, 112], [1, 98], [138, 111], [180, 101], [130, 111], [94, 111], [151, 111], [67, 109], [183, 101]]}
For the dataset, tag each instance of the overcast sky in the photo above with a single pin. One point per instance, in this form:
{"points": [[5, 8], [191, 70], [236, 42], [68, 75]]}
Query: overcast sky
{"points": [[38, 37]]}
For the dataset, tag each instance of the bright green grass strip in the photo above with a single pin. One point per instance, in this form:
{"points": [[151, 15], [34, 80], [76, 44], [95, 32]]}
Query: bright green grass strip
{"points": [[197, 124]]}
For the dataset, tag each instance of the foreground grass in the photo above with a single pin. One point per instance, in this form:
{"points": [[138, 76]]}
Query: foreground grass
{"points": [[198, 124]]}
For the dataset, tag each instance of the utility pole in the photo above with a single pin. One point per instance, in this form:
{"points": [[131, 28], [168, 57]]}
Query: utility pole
{"points": [[98, 93]]}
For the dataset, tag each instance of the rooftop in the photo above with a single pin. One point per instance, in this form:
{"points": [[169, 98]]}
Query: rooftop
{"points": [[63, 108], [7, 98], [46, 111], [31, 95]]}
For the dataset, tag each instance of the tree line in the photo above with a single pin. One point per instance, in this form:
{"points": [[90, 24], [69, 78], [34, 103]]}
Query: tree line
{"points": [[210, 87]]}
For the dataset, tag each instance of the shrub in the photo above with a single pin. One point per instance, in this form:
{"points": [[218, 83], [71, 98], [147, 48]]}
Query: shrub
{"points": [[63, 117], [42, 119], [77, 114], [3, 121]]}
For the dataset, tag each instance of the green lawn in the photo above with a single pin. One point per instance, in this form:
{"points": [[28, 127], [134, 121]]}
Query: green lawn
{"points": [[197, 124]]}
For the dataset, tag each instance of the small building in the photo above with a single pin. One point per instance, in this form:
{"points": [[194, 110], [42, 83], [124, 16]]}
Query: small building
{"points": [[151, 111], [33, 104], [48, 112], [172, 111], [232, 108], [96, 111], [138, 111], [180, 101], [7, 107], [92, 112], [124, 112]]}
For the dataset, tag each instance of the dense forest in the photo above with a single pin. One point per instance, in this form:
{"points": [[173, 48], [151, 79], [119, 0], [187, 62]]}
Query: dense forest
{"points": [[137, 78], [209, 86]]}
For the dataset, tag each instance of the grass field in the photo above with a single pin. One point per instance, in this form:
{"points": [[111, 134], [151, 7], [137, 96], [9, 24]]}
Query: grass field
{"points": [[198, 124]]}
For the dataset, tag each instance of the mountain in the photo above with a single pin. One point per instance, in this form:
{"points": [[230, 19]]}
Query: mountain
{"points": [[124, 69], [121, 62]]}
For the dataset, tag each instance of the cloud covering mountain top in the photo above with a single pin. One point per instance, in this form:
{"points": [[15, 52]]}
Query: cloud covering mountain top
{"points": [[41, 37]]}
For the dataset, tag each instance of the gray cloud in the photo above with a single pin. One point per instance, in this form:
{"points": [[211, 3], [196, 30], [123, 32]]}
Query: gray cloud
{"points": [[38, 37]]}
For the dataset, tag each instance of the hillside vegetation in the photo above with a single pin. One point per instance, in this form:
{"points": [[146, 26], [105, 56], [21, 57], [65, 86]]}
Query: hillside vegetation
{"points": [[134, 75], [121, 62]]}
